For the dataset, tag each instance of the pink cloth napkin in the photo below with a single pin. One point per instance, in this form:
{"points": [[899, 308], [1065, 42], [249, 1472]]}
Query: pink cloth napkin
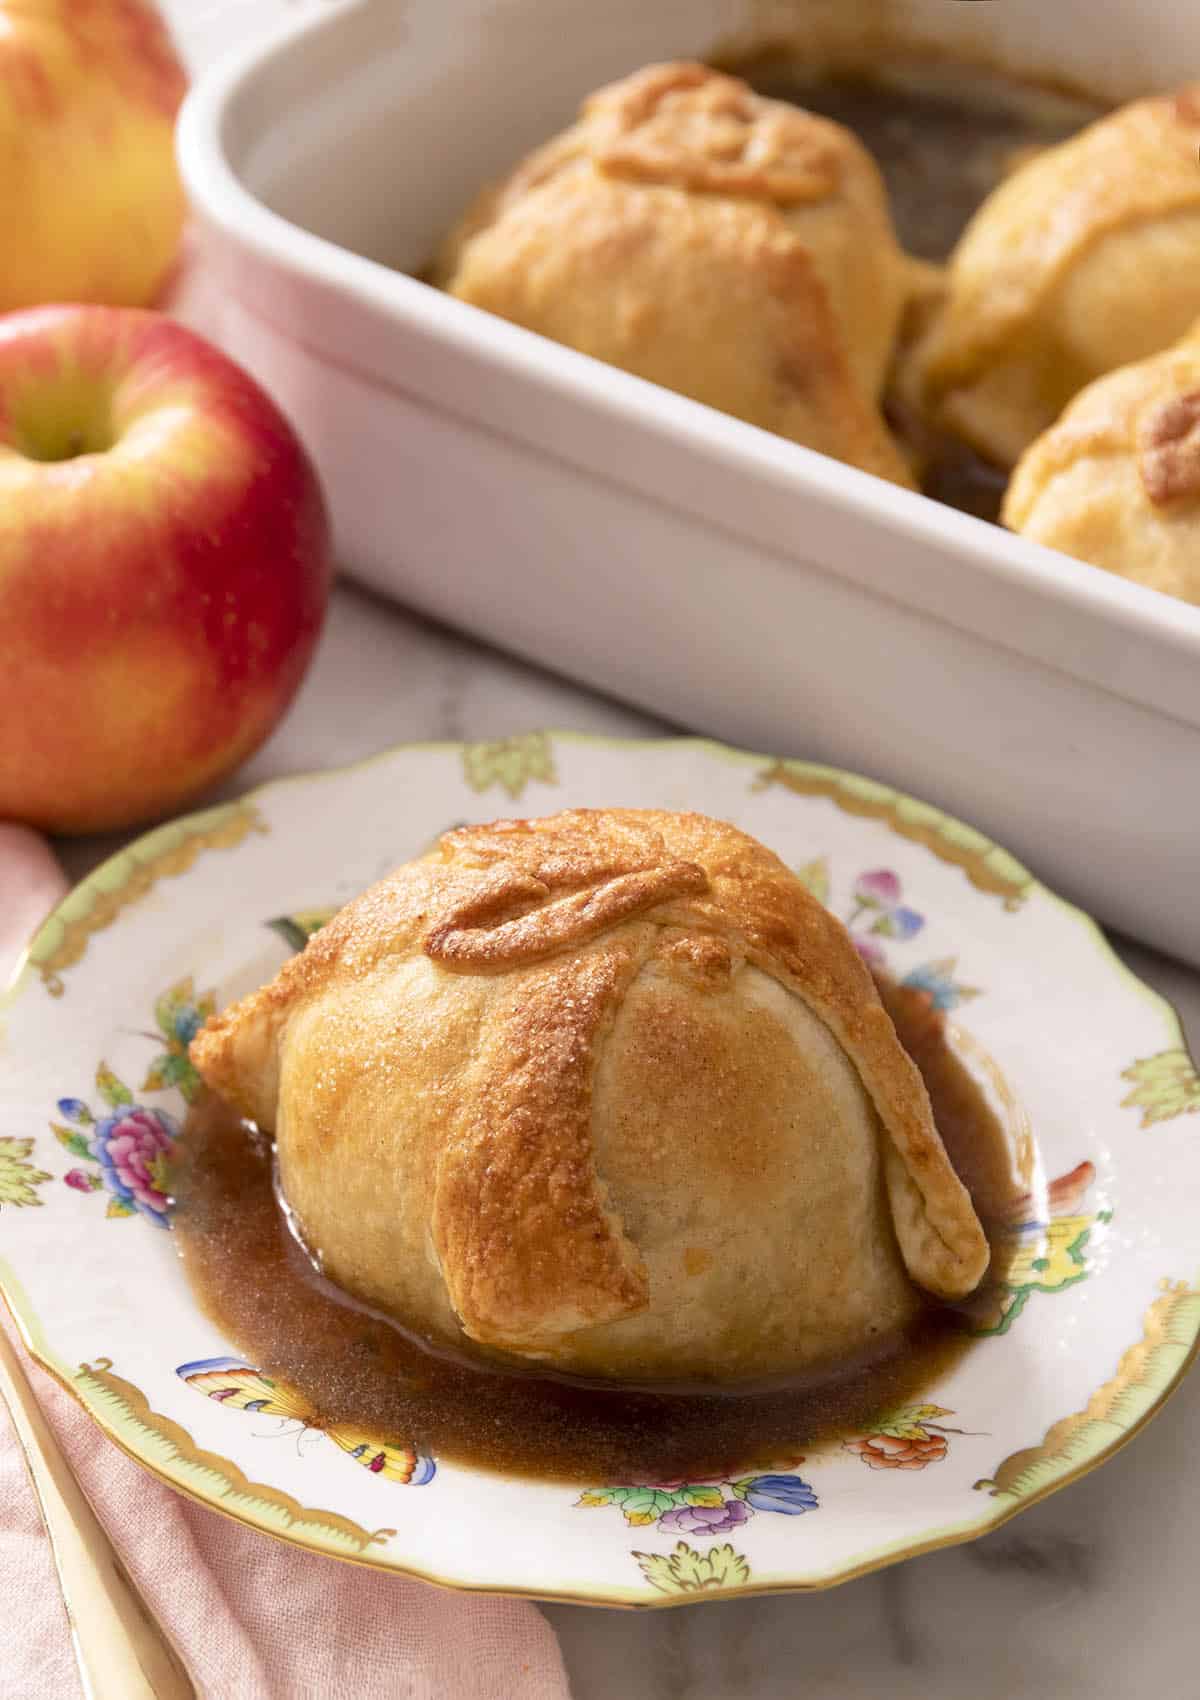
{"points": [[255, 1619]]}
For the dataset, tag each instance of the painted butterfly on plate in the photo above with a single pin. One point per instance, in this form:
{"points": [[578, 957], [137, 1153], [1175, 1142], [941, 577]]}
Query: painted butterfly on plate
{"points": [[231, 1382]]}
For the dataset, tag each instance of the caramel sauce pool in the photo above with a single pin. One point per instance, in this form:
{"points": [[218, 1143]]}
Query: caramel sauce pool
{"points": [[354, 1367]]}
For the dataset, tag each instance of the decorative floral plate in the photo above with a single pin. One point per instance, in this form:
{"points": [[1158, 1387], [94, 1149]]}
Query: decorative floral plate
{"points": [[1096, 1320]]}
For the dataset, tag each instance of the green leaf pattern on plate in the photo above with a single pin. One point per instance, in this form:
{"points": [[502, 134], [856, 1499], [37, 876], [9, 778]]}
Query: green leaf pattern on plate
{"points": [[297, 928], [113, 1091], [19, 1179], [686, 1571], [71, 1141], [178, 1014], [510, 763], [814, 876], [1164, 1086]]}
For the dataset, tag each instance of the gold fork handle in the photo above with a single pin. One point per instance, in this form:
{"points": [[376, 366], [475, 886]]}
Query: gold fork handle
{"points": [[122, 1651]]}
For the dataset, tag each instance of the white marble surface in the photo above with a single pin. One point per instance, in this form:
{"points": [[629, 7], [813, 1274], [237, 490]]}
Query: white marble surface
{"points": [[1088, 1594]]}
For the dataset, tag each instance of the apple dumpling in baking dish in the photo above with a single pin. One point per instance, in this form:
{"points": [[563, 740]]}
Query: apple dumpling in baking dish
{"points": [[1086, 258], [735, 249], [1116, 480], [609, 1091]]}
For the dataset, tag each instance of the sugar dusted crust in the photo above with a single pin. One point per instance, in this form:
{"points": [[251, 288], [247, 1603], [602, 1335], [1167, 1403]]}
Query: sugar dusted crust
{"points": [[530, 936]]}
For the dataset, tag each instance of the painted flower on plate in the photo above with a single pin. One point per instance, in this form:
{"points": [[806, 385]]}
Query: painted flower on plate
{"points": [[786, 1494], [130, 1143], [1041, 1245], [179, 1015], [880, 890], [904, 1439], [896, 1452], [706, 1507], [132, 1146], [936, 980], [705, 1519]]}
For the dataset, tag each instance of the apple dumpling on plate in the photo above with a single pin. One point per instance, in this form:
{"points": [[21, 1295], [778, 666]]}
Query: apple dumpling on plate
{"points": [[737, 250], [609, 1091], [1085, 259], [1116, 481]]}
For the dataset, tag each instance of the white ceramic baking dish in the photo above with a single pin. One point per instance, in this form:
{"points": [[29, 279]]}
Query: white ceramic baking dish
{"points": [[639, 541]]}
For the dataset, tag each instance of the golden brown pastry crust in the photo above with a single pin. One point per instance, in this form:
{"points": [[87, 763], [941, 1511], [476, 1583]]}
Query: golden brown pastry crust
{"points": [[530, 939], [1085, 259], [734, 249], [527, 1246], [1116, 481]]}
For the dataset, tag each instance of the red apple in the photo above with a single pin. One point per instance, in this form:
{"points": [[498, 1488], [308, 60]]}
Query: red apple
{"points": [[91, 206], [164, 566]]}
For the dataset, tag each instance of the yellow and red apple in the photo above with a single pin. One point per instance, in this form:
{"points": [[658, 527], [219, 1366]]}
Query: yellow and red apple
{"points": [[164, 566], [91, 206]]}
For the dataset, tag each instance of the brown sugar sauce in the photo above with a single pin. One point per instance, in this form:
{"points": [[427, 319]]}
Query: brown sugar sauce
{"points": [[357, 1368]]}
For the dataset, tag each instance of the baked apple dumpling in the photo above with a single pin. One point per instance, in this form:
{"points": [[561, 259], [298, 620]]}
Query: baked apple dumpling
{"points": [[609, 1091]]}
